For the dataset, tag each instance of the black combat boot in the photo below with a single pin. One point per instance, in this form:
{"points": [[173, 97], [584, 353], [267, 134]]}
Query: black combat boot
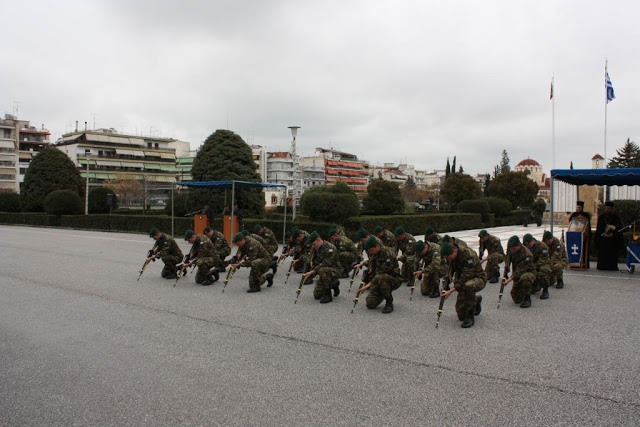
{"points": [[478, 309], [545, 293], [468, 322], [215, 274], [495, 278], [388, 307], [560, 284], [435, 293], [336, 287], [526, 303], [208, 281], [411, 281], [274, 267], [326, 297], [269, 278], [253, 287], [172, 276]]}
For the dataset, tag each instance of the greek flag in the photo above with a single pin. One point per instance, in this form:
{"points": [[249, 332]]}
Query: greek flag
{"points": [[610, 95]]}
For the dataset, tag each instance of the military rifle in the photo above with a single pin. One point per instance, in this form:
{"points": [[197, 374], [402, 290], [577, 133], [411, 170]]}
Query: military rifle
{"points": [[146, 261], [357, 297], [353, 276], [416, 267], [230, 274], [289, 271], [504, 278], [443, 297], [182, 270], [303, 279]]}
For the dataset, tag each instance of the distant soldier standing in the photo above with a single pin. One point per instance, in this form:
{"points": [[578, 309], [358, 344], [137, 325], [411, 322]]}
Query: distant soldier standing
{"points": [[324, 264], [385, 275], [406, 243], [523, 272], [252, 254], [558, 258], [432, 268], [495, 255], [346, 250], [206, 255], [468, 278], [387, 238], [167, 250], [219, 243]]}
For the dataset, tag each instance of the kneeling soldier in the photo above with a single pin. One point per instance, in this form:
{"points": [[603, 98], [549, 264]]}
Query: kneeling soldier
{"points": [[346, 250], [205, 257], [406, 243], [219, 243], [270, 241], [432, 268], [524, 272], [468, 278], [168, 250], [558, 258], [540, 253], [324, 264], [387, 238], [385, 275], [495, 255], [252, 254]]}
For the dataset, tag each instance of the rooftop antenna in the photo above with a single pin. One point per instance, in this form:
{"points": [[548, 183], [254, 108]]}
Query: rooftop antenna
{"points": [[16, 108], [94, 120]]}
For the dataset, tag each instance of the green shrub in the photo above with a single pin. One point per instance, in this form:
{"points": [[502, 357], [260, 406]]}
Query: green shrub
{"points": [[499, 207], [9, 202], [98, 200], [538, 207], [63, 202], [328, 204], [182, 203], [28, 218], [473, 206], [515, 217], [383, 198]]}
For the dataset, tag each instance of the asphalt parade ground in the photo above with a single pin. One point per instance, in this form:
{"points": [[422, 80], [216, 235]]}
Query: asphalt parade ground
{"points": [[83, 343]]}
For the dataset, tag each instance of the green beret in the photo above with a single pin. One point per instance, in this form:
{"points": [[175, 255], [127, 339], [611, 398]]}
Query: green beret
{"points": [[361, 234], [483, 233], [527, 238], [547, 235], [446, 239], [513, 241], [239, 236], [378, 229], [370, 243], [153, 232], [333, 230], [312, 237], [206, 230], [245, 233], [399, 231], [295, 232], [188, 234], [287, 235], [257, 228], [419, 246], [446, 249], [429, 231]]}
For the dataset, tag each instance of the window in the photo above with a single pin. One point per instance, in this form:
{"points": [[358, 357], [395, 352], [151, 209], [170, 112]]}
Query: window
{"points": [[274, 199], [7, 133], [157, 145], [149, 145]]}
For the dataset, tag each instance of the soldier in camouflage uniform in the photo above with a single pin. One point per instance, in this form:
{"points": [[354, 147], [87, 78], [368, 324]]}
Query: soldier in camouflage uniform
{"points": [[205, 256], [406, 243], [540, 252], [271, 243], [252, 254], [523, 273], [387, 238], [431, 236], [385, 275], [558, 258], [324, 264], [255, 237], [495, 255], [468, 278], [302, 251], [346, 251], [432, 268], [167, 250], [362, 236], [220, 243]]}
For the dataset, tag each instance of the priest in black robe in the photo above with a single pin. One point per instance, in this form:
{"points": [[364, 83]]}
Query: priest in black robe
{"points": [[608, 238]]}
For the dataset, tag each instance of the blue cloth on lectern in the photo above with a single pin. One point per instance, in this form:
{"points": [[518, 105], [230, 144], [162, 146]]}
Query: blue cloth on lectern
{"points": [[574, 246], [633, 254]]}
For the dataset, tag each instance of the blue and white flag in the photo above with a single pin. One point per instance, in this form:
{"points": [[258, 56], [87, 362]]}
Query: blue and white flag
{"points": [[610, 95], [574, 247]]}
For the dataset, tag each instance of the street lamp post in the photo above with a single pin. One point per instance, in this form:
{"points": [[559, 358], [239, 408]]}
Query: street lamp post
{"points": [[296, 193], [87, 156]]}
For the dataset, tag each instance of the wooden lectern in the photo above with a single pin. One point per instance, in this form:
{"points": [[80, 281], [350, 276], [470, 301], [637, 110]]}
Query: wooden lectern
{"points": [[226, 226], [200, 221]]}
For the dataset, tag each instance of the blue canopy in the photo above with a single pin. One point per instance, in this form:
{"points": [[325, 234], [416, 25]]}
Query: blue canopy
{"points": [[627, 176], [228, 184]]}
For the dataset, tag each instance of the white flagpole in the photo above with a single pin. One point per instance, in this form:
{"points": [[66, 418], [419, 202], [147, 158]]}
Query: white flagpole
{"points": [[553, 124], [606, 102]]}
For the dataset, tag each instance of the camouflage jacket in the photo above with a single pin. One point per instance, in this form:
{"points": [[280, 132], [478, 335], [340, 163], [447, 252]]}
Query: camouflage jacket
{"points": [[167, 246], [492, 246], [389, 240], [436, 238], [219, 241], [459, 243], [466, 266], [407, 245], [345, 244], [557, 251], [302, 247], [361, 252], [259, 239], [325, 257], [271, 243], [384, 262], [252, 250], [203, 249], [522, 262], [432, 261], [540, 252]]}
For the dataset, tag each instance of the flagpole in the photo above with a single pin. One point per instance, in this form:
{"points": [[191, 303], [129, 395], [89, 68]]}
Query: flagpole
{"points": [[606, 102], [553, 126]]}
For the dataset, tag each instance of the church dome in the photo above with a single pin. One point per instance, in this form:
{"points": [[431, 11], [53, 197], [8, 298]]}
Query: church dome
{"points": [[528, 162]]}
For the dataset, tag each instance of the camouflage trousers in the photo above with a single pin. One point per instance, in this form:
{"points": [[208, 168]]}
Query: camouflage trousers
{"points": [[382, 287], [223, 252], [346, 259], [466, 301], [543, 279], [430, 283], [492, 269], [170, 263], [204, 268], [522, 287], [408, 267], [271, 250], [327, 275], [258, 269], [557, 268]]}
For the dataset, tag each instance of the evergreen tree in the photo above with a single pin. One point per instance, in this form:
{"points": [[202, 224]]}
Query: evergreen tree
{"points": [[504, 163], [447, 171], [460, 170], [460, 186], [410, 184], [225, 156], [626, 157], [383, 198], [515, 187], [487, 183], [50, 170], [453, 165], [571, 165]]}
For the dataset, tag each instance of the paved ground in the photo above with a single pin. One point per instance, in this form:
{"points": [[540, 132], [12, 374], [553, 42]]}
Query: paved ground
{"points": [[81, 342]]}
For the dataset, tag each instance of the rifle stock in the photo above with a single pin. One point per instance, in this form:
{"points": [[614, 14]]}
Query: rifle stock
{"points": [[504, 278], [353, 276], [146, 263], [303, 279]]}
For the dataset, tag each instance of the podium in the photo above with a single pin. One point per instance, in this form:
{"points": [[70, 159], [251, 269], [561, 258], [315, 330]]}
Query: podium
{"points": [[577, 239], [226, 226], [200, 221]]}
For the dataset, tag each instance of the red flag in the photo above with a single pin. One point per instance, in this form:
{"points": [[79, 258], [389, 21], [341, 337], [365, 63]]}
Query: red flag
{"points": [[551, 95]]}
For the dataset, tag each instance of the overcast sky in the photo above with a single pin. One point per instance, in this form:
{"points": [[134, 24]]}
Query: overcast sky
{"points": [[401, 81]]}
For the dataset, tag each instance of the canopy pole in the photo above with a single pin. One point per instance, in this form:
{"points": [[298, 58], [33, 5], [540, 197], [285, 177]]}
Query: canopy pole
{"points": [[552, 217], [284, 227], [233, 202], [173, 206]]}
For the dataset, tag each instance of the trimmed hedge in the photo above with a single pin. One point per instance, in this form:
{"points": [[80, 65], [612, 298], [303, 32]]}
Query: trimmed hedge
{"points": [[63, 202], [9, 202], [30, 218], [515, 217], [499, 207]]}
